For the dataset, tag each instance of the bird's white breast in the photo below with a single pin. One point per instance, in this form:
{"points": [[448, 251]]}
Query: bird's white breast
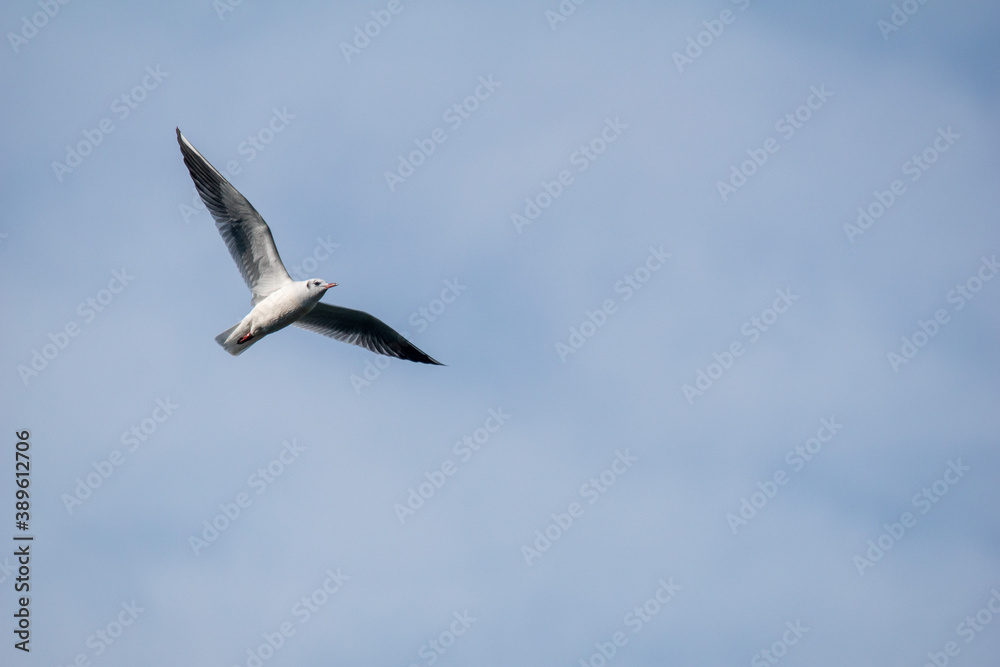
{"points": [[281, 308]]}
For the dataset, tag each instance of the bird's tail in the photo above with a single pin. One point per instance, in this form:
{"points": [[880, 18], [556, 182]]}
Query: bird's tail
{"points": [[228, 340]]}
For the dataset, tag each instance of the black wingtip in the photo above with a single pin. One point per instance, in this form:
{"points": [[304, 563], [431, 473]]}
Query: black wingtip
{"points": [[403, 349], [417, 355], [413, 353]]}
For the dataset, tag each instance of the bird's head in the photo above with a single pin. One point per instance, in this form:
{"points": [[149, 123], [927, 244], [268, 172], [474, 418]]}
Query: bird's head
{"points": [[316, 288]]}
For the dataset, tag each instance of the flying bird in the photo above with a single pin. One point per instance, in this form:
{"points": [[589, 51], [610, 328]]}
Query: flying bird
{"points": [[278, 300]]}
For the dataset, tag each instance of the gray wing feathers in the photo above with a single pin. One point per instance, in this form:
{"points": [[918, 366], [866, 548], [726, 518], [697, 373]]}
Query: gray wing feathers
{"points": [[360, 328], [245, 233]]}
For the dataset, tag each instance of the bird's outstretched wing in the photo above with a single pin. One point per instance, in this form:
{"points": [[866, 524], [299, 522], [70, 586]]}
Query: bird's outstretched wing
{"points": [[359, 328], [246, 234]]}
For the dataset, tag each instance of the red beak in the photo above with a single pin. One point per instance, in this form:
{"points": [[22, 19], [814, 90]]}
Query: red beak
{"points": [[329, 285]]}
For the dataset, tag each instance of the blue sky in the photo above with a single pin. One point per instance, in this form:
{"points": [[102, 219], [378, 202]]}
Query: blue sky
{"points": [[694, 411]]}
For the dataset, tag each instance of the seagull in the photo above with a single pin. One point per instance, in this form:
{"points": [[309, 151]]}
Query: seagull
{"points": [[278, 300]]}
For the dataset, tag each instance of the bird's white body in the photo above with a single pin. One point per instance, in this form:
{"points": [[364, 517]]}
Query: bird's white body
{"points": [[273, 313]]}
